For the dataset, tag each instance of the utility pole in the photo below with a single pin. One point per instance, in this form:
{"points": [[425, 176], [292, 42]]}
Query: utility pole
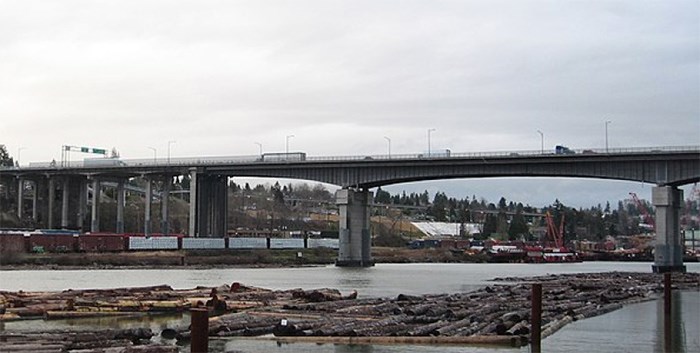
{"points": [[429, 131]]}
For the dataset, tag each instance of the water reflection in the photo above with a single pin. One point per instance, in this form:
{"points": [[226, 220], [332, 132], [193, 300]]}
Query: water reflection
{"points": [[353, 348], [678, 325]]}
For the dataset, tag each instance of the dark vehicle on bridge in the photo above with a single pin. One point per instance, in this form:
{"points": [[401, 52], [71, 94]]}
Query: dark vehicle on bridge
{"points": [[559, 149]]}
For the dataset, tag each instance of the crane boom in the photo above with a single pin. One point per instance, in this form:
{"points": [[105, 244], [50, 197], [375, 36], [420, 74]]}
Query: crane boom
{"points": [[556, 234], [648, 219]]}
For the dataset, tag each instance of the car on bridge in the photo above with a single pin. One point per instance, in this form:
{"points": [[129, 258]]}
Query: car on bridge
{"points": [[559, 149]]}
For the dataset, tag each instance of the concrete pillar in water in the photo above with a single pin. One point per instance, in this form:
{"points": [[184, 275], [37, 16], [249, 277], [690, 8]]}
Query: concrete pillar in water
{"points": [[64, 203], [193, 202], [121, 198], [52, 198], [354, 229], [148, 198], [164, 197], [96, 196], [20, 198], [668, 253]]}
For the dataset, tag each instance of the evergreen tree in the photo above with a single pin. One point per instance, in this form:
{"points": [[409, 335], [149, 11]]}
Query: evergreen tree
{"points": [[382, 196], [5, 159], [518, 226], [490, 225]]}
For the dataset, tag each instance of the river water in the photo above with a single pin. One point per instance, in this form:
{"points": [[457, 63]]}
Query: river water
{"points": [[635, 328]]}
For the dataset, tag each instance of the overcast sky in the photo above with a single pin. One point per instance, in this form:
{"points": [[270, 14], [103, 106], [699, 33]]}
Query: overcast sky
{"points": [[218, 77]]}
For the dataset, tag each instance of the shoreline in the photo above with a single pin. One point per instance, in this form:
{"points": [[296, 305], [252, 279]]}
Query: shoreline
{"points": [[204, 259]]}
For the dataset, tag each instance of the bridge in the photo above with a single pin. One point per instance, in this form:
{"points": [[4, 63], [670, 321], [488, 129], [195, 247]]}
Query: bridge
{"points": [[666, 167]]}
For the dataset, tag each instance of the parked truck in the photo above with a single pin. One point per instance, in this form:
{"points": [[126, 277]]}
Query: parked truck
{"points": [[284, 157]]}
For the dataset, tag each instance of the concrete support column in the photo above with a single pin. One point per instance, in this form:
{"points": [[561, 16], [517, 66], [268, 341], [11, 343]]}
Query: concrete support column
{"points": [[82, 204], [203, 202], [219, 211], [354, 229], [6, 190], [20, 199], [42, 202], [164, 197], [64, 203], [194, 182], [211, 205], [52, 198], [121, 201], [148, 199], [96, 196], [35, 201], [668, 253]]}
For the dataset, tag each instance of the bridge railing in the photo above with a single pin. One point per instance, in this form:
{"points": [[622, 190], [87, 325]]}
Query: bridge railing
{"points": [[507, 154], [439, 154]]}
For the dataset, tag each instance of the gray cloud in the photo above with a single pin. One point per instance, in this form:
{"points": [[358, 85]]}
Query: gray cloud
{"points": [[217, 76]]}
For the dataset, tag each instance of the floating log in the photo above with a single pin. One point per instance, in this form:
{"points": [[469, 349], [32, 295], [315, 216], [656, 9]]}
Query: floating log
{"points": [[57, 315], [513, 341]]}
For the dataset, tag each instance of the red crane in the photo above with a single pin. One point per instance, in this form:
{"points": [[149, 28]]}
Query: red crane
{"points": [[556, 234], [648, 219]]}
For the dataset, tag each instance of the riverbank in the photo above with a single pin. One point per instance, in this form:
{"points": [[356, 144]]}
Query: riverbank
{"points": [[497, 313], [221, 258]]}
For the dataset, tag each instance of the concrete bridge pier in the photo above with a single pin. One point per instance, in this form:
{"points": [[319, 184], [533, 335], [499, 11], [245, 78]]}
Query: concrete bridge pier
{"points": [[148, 200], [41, 189], [65, 194], [208, 205], [81, 192], [355, 240], [668, 253], [121, 202], [20, 199], [35, 201], [164, 200], [51, 200], [96, 197]]}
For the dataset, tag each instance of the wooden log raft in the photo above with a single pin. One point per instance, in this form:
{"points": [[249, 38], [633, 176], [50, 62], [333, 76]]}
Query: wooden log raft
{"points": [[124, 340], [491, 314], [496, 314]]}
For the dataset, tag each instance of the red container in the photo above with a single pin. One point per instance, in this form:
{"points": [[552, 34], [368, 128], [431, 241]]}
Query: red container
{"points": [[12, 243], [462, 244], [447, 244], [53, 242], [101, 243]]}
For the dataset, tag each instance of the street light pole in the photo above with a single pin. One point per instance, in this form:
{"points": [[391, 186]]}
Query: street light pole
{"points": [[388, 140], [155, 154], [169, 142], [19, 151], [286, 149], [429, 131], [606, 135], [259, 145], [541, 141]]}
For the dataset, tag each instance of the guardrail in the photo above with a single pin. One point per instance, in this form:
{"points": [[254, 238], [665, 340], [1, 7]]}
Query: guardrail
{"points": [[227, 160]]}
